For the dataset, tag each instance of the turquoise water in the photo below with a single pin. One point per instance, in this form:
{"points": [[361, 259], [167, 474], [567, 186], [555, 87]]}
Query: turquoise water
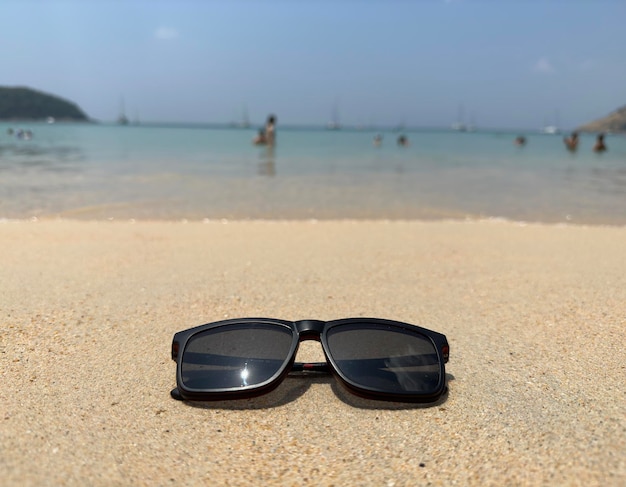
{"points": [[151, 172]]}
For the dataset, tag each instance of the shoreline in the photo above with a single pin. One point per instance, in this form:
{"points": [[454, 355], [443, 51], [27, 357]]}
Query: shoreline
{"points": [[351, 220], [534, 314], [454, 177]]}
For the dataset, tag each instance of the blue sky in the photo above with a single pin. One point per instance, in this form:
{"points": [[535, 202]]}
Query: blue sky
{"points": [[507, 63]]}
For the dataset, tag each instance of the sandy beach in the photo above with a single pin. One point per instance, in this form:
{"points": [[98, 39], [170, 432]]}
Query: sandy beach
{"points": [[534, 314]]}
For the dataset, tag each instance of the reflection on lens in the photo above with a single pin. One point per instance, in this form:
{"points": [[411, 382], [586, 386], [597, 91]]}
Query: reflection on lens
{"points": [[389, 359], [235, 356]]}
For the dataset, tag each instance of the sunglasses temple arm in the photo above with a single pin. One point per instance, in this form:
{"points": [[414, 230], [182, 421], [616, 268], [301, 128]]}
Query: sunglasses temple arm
{"points": [[406, 361], [310, 367]]}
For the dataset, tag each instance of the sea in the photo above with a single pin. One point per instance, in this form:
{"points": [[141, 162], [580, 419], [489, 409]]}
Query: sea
{"points": [[200, 172]]}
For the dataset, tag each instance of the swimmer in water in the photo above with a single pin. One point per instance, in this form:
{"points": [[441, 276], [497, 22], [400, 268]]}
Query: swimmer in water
{"points": [[403, 141], [267, 135], [260, 138], [600, 146], [571, 142]]}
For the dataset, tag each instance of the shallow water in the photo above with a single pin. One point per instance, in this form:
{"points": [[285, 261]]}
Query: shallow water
{"points": [[194, 172]]}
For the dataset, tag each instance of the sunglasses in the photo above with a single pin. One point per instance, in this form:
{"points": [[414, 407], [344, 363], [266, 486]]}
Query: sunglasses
{"points": [[371, 357]]}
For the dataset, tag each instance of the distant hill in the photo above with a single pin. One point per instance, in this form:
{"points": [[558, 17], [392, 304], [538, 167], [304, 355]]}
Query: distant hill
{"points": [[21, 103], [614, 122]]}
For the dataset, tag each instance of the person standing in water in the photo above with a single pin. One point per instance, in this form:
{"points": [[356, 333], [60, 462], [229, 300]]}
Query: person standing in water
{"points": [[267, 135], [520, 141], [600, 146], [571, 142], [260, 138], [270, 130]]}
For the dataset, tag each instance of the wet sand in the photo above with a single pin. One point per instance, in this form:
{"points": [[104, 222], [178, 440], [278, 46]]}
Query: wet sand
{"points": [[535, 317]]}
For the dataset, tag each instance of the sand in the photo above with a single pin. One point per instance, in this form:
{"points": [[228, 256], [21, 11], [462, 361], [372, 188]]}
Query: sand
{"points": [[534, 314]]}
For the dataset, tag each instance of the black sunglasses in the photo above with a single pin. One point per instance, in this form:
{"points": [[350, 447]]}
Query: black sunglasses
{"points": [[372, 357]]}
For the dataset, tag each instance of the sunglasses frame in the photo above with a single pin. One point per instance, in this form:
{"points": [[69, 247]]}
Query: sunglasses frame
{"points": [[301, 331]]}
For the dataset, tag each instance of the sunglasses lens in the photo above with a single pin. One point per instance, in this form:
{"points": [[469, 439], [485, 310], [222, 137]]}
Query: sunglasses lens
{"points": [[387, 359], [235, 356]]}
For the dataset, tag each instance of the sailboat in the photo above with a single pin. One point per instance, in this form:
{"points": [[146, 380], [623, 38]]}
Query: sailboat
{"points": [[552, 129], [400, 127], [471, 127], [334, 121], [122, 119], [245, 120], [459, 125]]}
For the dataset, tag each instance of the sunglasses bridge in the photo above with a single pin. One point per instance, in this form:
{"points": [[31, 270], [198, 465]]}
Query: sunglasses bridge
{"points": [[310, 330]]}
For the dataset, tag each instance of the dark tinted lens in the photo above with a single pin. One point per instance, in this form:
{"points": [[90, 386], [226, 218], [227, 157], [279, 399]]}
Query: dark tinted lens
{"points": [[388, 359], [235, 356]]}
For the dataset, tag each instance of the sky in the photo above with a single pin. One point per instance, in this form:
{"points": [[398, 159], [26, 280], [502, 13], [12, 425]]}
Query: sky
{"points": [[422, 63]]}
